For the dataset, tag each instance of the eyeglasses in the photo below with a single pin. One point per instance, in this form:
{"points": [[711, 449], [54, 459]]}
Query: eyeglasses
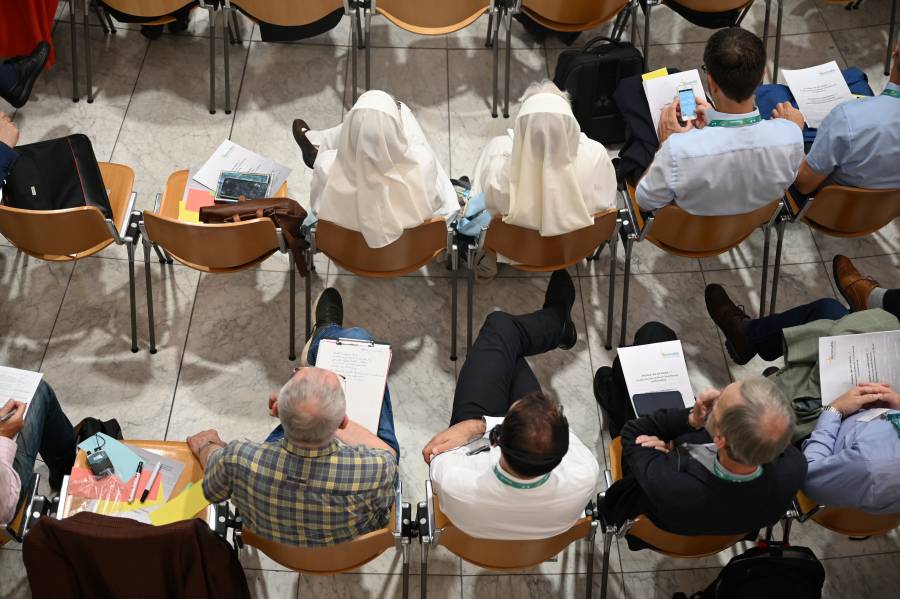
{"points": [[703, 68]]}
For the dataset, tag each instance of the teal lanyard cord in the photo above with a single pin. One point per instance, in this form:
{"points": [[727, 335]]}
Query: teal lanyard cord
{"points": [[750, 120]]}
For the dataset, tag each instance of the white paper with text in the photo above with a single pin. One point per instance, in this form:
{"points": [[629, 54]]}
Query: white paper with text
{"points": [[817, 90], [847, 360], [364, 367], [656, 368], [663, 90]]}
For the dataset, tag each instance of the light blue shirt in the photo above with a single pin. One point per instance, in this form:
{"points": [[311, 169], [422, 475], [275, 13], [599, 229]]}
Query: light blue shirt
{"points": [[859, 141], [722, 170], [854, 464]]}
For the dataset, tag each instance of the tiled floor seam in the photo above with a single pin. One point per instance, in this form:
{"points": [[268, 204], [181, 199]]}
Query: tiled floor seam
{"points": [[187, 335], [58, 312], [240, 87], [130, 98]]}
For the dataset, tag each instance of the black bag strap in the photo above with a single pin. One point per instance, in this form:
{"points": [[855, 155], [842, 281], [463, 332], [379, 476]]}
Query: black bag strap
{"points": [[600, 38]]}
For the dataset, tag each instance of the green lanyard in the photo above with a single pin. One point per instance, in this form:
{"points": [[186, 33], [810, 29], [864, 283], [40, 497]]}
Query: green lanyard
{"points": [[719, 471], [750, 120], [895, 420], [891, 92], [517, 485]]}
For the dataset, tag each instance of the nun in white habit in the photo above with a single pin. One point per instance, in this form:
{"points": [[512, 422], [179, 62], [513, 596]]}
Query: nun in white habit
{"points": [[546, 174], [376, 173]]}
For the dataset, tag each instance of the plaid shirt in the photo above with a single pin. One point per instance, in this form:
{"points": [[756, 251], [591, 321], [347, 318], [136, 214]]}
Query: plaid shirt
{"points": [[300, 496]]}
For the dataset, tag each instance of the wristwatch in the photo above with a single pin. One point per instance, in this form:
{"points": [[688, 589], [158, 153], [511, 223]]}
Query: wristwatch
{"points": [[207, 444], [835, 410]]}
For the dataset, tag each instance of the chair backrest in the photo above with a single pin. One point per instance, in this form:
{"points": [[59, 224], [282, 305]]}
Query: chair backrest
{"points": [[848, 521], [147, 8], [414, 249], [432, 17], [691, 236], [56, 235], [528, 250], [326, 560], [852, 212], [714, 6], [288, 13], [572, 15], [505, 555], [662, 541], [214, 248]]}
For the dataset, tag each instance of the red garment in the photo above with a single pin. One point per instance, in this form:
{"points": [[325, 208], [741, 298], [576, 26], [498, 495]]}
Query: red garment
{"points": [[24, 23]]}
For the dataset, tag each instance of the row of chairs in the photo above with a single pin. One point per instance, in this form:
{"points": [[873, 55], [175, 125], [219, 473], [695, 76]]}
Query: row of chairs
{"points": [[421, 17], [218, 249], [433, 528]]}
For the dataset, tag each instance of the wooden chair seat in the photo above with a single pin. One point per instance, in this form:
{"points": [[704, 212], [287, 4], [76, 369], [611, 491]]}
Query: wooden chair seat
{"points": [[848, 521], [713, 6], [148, 8], [572, 15], [841, 211], [432, 17], [287, 13]]}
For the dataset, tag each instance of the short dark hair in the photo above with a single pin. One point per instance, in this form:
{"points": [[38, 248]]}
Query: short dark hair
{"points": [[736, 60], [535, 426]]}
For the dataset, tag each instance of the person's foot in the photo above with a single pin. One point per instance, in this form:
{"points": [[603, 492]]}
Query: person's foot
{"points": [[27, 70], [329, 309], [853, 286], [309, 151], [152, 32], [179, 25], [732, 320], [561, 292]]}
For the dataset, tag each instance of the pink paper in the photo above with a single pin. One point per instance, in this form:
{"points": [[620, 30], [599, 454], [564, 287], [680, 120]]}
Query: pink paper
{"points": [[83, 483], [197, 199]]}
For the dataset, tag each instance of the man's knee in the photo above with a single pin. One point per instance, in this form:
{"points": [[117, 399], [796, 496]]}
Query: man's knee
{"points": [[829, 308], [357, 333], [654, 332], [497, 321]]}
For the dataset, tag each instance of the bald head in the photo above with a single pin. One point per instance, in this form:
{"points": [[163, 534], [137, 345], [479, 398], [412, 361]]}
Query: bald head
{"points": [[755, 420], [311, 406]]}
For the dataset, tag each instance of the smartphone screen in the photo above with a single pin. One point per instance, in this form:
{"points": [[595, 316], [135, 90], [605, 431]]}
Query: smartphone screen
{"points": [[688, 104]]}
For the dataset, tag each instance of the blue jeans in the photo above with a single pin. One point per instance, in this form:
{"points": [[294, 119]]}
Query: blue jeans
{"points": [[766, 333], [47, 431], [386, 420]]}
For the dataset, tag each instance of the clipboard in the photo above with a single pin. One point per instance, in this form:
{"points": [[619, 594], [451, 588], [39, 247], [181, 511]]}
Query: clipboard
{"points": [[363, 369]]}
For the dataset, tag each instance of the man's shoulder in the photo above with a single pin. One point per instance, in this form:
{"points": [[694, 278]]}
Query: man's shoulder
{"points": [[359, 456]]}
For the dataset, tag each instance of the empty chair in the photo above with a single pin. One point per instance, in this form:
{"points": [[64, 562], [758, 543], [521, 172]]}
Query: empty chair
{"points": [[213, 248], [80, 232], [845, 521]]}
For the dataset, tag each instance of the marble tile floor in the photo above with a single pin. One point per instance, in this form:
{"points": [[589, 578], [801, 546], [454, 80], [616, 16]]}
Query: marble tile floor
{"points": [[223, 338]]}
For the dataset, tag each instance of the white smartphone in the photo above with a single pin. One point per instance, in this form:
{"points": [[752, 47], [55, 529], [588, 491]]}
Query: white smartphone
{"points": [[688, 103]]}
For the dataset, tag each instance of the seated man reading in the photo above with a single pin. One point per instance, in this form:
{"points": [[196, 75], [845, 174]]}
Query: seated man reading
{"points": [[509, 467], [43, 429], [320, 478], [728, 160], [857, 143], [723, 467]]}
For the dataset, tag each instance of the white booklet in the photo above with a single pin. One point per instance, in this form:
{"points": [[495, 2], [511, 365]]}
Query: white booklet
{"points": [[657, 376], [663, 90], [817, 91], [231, 157], [846, 360], [363, 369], [18, 384]]}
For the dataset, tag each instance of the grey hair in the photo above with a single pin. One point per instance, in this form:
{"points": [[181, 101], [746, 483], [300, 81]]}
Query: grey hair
{"points": [[311, 407], [544, 87], [759, 428]]}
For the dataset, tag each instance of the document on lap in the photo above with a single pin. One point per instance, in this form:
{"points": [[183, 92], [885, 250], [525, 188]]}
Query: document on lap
{"points": [[847, 360], [817, 90], [363, 368], [231, 157], [662, 90], [657, 377], [19, 385]]}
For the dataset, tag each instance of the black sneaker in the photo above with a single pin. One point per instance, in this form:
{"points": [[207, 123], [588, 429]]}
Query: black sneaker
{"points": [[732, 320], [603, 392], [561, 292], [27, 70], [329, 309]]}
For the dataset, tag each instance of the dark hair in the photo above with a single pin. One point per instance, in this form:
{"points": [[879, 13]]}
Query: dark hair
{"points": [[736, 60], [535, 435]]}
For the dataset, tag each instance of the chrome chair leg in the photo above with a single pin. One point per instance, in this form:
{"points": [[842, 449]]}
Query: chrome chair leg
{"points": [[589, 587], [148, 285], [610, 314], [87, 54], [767, 235], [489, 40], [647, 8], [634, 29], [159, 254], [778, 40], [629, 243], [496, 71], [509, 22], [892, 29], [766, 25], [470, 296], [236, 27], [368, 52], [212, 60], [130, 247], [225, 56], [779, 230], [74, 35], [292, 355], [308, 285], [454, 302], [405, 574], [423, 590], [354, 51], [607, 547]]}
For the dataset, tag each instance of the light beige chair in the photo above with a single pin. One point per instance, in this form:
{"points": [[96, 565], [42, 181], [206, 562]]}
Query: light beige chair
{"points": [[435, 528], [76, 233], [679, 233], [213, 248], [414, 249]]}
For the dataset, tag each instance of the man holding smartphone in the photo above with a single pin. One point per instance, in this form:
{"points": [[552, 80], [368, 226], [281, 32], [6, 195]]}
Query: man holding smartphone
{"points": [[43, 429], [726, 160]]}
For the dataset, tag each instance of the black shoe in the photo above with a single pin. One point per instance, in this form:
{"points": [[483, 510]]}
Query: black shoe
{"points": [[299, 128], [561, 292], [732, 320], [152, 32], [603, 393], [27, 70], [329, 309], [179, 25]]}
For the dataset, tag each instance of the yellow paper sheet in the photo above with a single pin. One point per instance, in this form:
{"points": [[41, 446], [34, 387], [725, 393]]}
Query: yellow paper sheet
{"points": [[116, 507], [655, 74], [187, 215], [183, 507]]}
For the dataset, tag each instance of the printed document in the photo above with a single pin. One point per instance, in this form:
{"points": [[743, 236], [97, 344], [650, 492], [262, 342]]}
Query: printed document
{"points": [[19, 385], [817, 91], [231, 157], [657, 376], [363, 368], [847, 360], [663, 90]]}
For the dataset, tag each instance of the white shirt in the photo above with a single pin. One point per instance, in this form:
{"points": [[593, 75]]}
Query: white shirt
{"points": [[734, 168], [481, 505]]}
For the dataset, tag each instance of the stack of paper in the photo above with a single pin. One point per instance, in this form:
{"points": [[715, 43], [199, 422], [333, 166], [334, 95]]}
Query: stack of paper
{"points": [[231, 157], [662, 90], [848, 360], [657, 377], [195, 197], [363, 368], [817, 91], [18, 385]]}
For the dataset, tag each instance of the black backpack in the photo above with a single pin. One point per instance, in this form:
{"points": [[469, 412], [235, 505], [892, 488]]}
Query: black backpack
{"points": [[772, 571], [591, 76]]}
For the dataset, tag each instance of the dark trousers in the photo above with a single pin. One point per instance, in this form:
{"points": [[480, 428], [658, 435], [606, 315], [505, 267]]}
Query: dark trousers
{"points": [[8, 78], [618, 403], [495, 373], [46, 431]]}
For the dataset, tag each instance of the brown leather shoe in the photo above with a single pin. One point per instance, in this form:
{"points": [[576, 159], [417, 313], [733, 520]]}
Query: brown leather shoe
{"points": [[853, 286]]}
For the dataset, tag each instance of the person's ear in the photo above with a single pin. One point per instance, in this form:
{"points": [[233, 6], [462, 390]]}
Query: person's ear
{"points": [[720, 442], [273, 405], [344, 423]]}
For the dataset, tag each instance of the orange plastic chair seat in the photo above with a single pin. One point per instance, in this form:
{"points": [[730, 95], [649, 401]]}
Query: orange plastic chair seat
{"points": [[848, 521], [842, 211], [572, 15], [432, 17]]}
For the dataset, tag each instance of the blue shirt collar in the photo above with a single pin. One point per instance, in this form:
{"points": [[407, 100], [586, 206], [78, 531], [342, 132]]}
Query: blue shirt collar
{"points": [[715, 115]]}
